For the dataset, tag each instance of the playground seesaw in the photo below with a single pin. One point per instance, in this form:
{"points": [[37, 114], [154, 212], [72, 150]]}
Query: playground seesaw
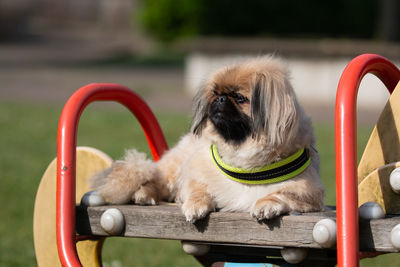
{"points": [[71, 226]]}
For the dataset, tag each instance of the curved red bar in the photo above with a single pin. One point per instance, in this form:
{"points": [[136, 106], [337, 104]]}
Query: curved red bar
{"points": [[346, 153], [66, 154]]}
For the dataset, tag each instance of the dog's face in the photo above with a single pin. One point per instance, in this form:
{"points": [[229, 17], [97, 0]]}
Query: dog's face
{"points": [[228, 109], [249, 100]]}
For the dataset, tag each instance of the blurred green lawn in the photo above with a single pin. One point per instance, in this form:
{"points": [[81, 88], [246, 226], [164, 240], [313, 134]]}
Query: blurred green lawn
{"points": [[28, 144]]}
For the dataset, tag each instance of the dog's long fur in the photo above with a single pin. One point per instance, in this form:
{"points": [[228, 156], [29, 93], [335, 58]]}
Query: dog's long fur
{"points": [[250, 112]]}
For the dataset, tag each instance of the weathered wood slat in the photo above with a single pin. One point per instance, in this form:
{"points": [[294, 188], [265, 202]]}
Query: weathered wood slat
{"points": [[167, 222]]}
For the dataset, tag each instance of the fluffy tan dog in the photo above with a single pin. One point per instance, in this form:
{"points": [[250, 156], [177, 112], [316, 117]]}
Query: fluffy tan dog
{"points": [[250, 149]]}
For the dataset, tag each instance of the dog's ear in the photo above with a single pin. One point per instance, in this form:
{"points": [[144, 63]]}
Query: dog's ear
{"points": [[274, 108], [200, 113]]}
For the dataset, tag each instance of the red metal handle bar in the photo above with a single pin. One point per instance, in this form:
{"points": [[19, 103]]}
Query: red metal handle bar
{"points": [[346, 153], [66, 154]]}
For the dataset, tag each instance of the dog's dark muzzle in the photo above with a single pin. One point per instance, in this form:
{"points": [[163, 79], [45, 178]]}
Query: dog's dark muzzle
{"points": [[222, 107], [229, 122]]}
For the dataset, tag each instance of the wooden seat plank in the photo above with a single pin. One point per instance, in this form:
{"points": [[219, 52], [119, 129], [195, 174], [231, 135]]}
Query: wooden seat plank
{"points": [[166, 221]]}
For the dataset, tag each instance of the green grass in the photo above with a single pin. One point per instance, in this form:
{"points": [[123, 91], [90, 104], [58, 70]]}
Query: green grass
{"points": [[28, 144], [326, 147]]}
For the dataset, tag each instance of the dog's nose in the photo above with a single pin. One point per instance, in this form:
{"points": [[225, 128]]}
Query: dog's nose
{"points": [[221, 99]]}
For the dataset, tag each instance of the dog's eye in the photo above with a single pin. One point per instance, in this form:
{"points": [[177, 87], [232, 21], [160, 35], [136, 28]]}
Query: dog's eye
{"points": [[239, 98]]}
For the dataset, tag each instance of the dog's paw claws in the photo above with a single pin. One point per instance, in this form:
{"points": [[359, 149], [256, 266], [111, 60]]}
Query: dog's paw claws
{"points": [[190, 220], [196, 211], [146, 202], [144, 196], [267, 210]]}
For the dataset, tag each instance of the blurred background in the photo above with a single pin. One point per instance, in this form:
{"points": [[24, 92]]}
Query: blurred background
{"points": [[164, 49]]}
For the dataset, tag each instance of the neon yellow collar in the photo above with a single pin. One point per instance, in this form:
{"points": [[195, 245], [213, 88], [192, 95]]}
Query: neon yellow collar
{"points": [[273, 173]]}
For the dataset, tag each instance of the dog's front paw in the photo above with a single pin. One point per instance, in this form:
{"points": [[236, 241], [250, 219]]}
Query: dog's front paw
{"points": [[120, 183], [147, 194], [196, 210], [268, 208]]}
